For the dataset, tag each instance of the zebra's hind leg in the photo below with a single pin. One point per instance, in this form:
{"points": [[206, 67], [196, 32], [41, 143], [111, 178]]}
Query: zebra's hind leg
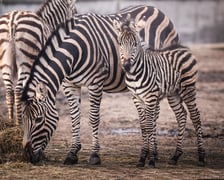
{"points": [[9, 92], [18, 105], [181, 115], [155, 151], [190, 100], [73, 94]]}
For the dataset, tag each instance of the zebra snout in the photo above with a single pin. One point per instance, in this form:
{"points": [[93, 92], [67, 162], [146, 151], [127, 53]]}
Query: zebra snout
{"points": [[30, 155], [127, 64], [28, 151]]}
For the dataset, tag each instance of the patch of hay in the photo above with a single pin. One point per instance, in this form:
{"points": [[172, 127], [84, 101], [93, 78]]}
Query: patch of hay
{"points": [[10, 142], [4, 124]]}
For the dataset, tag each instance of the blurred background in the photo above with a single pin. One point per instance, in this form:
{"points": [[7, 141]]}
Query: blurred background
{"points": [[197, 21]]}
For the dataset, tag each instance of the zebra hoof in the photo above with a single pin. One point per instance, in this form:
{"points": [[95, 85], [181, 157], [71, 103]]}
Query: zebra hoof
{"points": [[201, 159], [141, 162], [201, 163], [155, 154], [71, 159], [172, 162], [152, 163], [94, 159]]}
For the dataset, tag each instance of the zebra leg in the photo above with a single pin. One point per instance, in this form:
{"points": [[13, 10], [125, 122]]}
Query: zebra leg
{"points": [[18, 94], [73, 94], [149, 126], [139, 104], [151, 114], [181, 115], [155, 151], [190, 100], [18, 106], [95, 96], [9, 91]]}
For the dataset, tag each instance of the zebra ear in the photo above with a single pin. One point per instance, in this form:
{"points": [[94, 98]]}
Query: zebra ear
{"points": [[41, 92], [139, 25], [117, 26]]}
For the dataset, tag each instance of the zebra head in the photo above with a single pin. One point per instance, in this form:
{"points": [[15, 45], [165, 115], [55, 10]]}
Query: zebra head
{"points": [[40, 120], [128, 40], [72, 7]]}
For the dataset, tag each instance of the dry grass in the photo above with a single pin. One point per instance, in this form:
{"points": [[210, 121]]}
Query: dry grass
{"points": [[10, 141]]}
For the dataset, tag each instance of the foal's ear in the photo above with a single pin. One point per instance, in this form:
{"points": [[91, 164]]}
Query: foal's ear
{"points": [[41, 92]]}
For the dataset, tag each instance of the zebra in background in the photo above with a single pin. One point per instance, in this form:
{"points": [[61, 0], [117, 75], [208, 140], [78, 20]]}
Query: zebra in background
{"points": [[154, 74], [85, 53], [22, 36]]}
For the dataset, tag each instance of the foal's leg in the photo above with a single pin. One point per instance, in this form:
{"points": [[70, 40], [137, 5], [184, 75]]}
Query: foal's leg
{"points": [[181, 115], [189, 97], [150, 115], [139, 104]]}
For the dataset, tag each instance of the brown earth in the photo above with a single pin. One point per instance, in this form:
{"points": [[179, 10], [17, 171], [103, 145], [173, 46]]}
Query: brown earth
{"points": [[120, 136]]}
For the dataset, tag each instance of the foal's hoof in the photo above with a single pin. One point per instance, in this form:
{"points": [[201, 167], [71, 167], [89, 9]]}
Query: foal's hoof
{"points": [[201, 159], [94, 159], [71, 159], [151, 163]]}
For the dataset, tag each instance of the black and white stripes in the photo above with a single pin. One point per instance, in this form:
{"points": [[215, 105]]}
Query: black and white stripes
{"points": [[22, 36], [154, 74], [85, 53]]}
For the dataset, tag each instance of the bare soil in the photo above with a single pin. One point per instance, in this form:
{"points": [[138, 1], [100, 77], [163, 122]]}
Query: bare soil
{"points": [[120, 137]]}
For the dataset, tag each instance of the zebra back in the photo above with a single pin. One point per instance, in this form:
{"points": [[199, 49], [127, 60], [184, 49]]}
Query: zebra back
{"points": [[22, 36]]}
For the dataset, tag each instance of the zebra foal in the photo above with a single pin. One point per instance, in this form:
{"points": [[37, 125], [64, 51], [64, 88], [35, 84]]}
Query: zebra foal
{"points": [[22, 35], [154, 74]]}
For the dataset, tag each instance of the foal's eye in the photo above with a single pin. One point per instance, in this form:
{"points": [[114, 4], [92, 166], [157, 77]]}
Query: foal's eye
{"points": [[38, 119]]}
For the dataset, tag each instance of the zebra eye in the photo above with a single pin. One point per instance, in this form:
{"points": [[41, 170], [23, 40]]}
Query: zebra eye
{"points": [[39, 119]]}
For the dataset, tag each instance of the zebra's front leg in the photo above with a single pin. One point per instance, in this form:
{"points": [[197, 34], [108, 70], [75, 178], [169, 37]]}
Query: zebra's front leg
{"points": [[95, 96], [139, 104], [73, 94], [151, 117], [181, 115]]}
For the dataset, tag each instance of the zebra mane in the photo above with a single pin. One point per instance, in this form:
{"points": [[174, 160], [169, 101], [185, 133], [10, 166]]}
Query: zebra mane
{"points": [[44, 4], [64, 27]]}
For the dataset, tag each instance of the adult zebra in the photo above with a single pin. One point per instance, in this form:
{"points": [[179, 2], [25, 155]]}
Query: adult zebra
{"points": [[84, 53], [153, 74], [22, 36]]}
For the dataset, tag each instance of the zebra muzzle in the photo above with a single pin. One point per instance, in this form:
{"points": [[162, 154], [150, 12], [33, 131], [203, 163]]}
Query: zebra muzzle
{"points": [[30, 155], [127, 65]]}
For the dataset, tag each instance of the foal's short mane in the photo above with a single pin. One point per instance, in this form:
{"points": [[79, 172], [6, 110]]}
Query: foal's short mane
{"points": [[168, 48]]}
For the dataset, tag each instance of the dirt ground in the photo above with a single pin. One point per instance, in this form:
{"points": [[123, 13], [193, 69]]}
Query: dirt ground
{"points": [[120, 137]]}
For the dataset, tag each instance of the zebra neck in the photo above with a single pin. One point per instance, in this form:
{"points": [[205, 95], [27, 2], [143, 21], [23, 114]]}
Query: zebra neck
{"points": [[53, 13]]}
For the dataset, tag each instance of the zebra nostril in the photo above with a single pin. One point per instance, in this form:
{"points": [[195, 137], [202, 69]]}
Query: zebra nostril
{"points": [[127, 64], [28, 150]]}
